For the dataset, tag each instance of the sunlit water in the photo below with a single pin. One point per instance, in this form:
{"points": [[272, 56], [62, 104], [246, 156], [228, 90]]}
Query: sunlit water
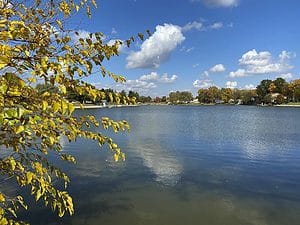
{"points": [[214, 165]]}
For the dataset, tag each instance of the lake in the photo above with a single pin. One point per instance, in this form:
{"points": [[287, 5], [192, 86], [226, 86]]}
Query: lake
{"points": [[210, 165]]}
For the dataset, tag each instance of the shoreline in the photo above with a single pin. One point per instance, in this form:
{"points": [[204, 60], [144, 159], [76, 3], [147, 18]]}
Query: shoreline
{"points": [[286, 105], [90, 106]]}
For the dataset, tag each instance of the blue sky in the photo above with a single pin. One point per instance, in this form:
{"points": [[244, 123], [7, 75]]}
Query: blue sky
{"points": [[199, 43]]}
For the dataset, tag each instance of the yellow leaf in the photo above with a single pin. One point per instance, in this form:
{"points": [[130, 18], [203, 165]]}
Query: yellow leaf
{"points": [[71, 108], [52, 124], [29, 176], [61, 212], [38, 167], [38, 195], [12, 163], [114, 146], [111, 98], [64, 107], [3, 221], [2, 64], [2, 198], [45, 105], [3, 23], [116, 157], [59, 23], [44, 63], [56, 107], [51, 140], [94, 3], [19, 129], [12, 212], [123, 156], [63, 89]]}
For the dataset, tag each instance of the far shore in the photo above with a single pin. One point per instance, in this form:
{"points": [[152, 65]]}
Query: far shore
{"points": [[287, 105], [92, 106]]}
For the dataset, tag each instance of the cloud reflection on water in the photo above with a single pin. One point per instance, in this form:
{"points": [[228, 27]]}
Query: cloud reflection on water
{"points": [[161, 162], [157, 154]]}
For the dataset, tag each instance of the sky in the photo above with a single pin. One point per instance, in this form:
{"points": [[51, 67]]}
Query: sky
{"points": [[198, 43]]}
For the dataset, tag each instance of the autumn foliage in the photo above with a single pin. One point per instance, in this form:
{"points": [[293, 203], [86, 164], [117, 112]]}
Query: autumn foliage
{"points": [[36, 48]]}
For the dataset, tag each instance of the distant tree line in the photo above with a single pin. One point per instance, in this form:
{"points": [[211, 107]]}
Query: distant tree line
{"points": [[180, 97], [226, 95], [276, 91]]}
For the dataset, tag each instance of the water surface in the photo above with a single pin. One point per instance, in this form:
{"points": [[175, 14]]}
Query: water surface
{"points": [[210, 165]]}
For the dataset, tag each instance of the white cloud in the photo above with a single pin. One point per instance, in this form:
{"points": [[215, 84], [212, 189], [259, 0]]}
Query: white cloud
{"points": [[136, 85], [201, 26], [216, 26], [220, 3], [146, 83], [270, 68], [284, 55], [238, 73], [253, 58], [217, 68], [205, 83], [165, 79], [262, 63], [157, 48], [196, 65], [286, 76], [193, 25], [140, 84], [249, 87], [151, 76], [231, 84]]}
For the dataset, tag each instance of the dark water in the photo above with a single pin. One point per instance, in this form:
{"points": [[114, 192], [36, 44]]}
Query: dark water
{"points": [[214, 165]]}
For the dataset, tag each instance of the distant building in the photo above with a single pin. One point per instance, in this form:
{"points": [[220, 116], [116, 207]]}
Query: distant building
{"points": [[231, 101], [195, 100], [275, 96], [219, 101], [104, 102], [239, 102]]}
